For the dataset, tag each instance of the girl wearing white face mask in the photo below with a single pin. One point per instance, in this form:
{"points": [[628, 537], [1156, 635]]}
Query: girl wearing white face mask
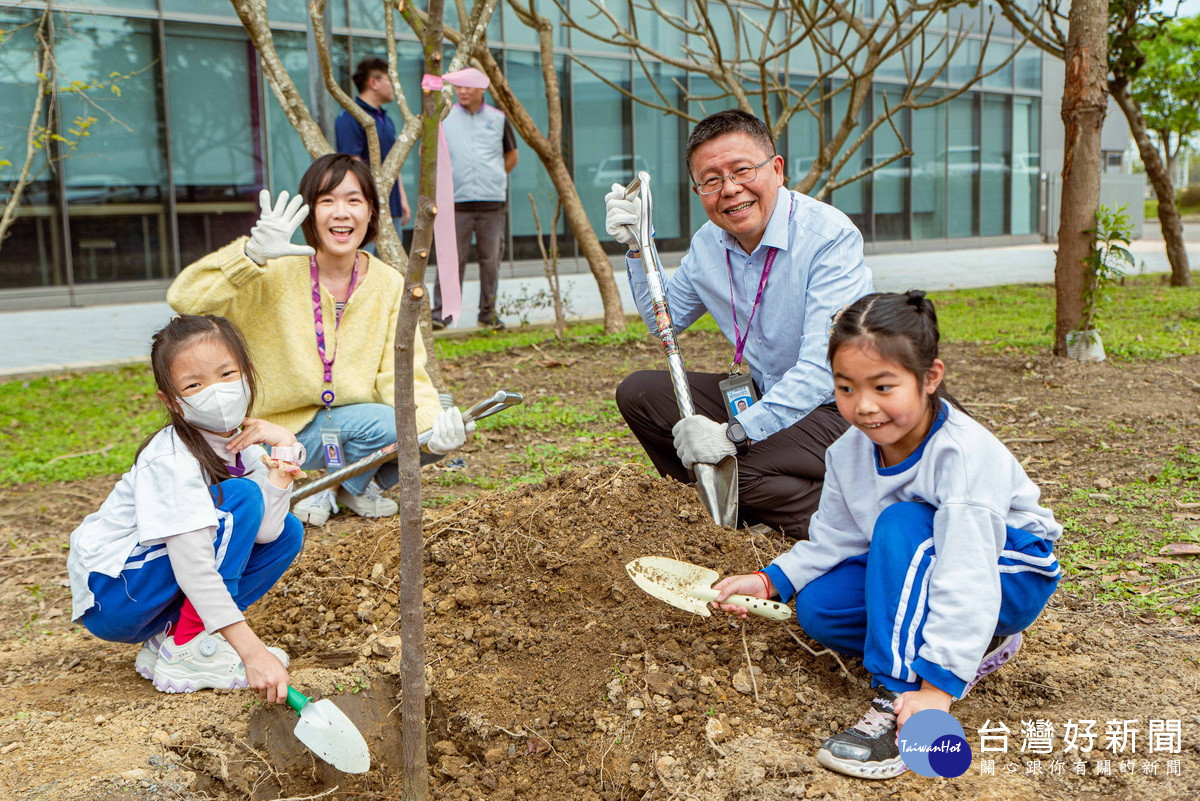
{"points": [[198, 529]]}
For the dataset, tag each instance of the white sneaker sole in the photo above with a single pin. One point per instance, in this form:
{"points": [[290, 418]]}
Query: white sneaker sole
{"points": [[888, 769]]}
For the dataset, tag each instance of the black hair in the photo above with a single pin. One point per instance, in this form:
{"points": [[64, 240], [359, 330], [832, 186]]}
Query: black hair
{"points": [[323, 176], [900, 328], [366, 70], [729, 121], [182, 331]]}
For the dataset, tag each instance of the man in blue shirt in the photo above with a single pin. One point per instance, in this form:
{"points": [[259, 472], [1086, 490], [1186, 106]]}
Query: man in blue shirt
{"points": [[772, 267], [374, 89]]}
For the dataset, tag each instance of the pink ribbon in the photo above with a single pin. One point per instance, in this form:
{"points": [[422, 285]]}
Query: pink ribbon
{"points": [[445, 236]]}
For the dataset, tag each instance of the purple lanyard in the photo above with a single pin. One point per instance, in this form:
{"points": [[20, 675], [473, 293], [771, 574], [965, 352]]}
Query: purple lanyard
{"points": [[237, 469], [739, 340], [319, 321]]}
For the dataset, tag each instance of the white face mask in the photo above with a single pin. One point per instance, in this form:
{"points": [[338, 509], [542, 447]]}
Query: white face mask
{"points": [[219, 407]]}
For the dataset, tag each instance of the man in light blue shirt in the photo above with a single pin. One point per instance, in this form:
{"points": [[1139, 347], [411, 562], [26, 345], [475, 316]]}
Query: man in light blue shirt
{"points": [[772, 267]]}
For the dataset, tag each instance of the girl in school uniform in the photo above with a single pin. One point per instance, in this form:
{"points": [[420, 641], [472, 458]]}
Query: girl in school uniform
{"points": [[929, 553], [198, 529]]}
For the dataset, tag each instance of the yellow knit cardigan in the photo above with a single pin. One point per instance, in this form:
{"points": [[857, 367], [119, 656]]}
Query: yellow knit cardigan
{"points": [[272, 305]]}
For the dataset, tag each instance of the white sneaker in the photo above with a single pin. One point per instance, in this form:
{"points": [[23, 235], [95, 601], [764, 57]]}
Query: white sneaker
{"points": [[316, 508], [207, 661], [370, 504], [147, 655]]}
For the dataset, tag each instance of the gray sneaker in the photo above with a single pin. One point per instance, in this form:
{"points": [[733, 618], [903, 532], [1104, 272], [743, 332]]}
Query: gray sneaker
{"points": [[371, 503], [316, 508], [868, 749], [205, 662]]}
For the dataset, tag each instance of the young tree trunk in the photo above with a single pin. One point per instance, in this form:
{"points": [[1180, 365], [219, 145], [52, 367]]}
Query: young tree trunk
{"points": [[1083, 106], [1160, 176], [415, 782]]}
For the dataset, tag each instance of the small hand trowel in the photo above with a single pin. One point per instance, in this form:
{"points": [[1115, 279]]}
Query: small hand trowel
{"points": [[329, 734], [689, 587]]}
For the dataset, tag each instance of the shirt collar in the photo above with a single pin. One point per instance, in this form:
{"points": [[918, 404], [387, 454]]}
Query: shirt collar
{"points": [[776, 235], [374, 112]]}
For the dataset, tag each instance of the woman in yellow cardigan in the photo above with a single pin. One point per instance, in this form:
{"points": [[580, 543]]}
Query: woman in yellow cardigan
{"points": [[320, 322]]}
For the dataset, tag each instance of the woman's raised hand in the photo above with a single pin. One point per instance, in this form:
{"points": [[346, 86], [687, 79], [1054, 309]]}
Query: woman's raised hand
{"points": [[271, 236]]}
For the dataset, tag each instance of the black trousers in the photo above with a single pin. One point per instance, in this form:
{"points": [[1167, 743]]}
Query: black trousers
{"points": [[779, 480]]}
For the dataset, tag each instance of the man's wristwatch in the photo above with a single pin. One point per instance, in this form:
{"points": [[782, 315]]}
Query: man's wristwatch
{"points": [[736, 434]]}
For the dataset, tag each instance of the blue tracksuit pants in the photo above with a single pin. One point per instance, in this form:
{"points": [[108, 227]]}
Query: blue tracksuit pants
{"points": [[855, 607], [139, 602]]}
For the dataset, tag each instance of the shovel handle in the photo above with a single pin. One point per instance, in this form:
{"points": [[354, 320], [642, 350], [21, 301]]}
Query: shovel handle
{"points": [[755, 606], [296, 700]]}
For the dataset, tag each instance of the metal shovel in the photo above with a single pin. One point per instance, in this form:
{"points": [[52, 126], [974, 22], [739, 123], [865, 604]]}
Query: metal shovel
{"points": [[502, 400], [689, 587], [329, 734], [717, 485]]}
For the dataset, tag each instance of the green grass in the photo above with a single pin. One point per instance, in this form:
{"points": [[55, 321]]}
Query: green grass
{"points": [[1145, 319], [70, 427]]}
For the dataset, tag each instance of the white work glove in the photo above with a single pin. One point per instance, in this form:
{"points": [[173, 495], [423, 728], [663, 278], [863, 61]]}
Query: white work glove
{"points": [[698, 439], [271, 236], [623, 216], [449, 431]]}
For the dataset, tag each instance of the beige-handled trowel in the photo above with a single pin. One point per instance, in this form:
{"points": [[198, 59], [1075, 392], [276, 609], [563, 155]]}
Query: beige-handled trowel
{"points": [[689, 587]]}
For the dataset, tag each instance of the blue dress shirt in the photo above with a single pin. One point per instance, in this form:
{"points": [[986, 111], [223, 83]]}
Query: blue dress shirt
{"points": [[818, 271], [352, 139]]}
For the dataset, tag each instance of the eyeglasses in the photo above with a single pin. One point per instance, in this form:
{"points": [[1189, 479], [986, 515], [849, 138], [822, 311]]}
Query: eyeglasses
{"points": [[742, 175]]}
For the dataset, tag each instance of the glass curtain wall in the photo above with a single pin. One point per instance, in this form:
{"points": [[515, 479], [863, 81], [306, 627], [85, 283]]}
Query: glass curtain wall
{"points": [[197, 132]]}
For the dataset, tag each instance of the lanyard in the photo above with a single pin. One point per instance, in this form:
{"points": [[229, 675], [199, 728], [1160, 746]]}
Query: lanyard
{"points": [[739, 340], [237, 469], [319, 322]]}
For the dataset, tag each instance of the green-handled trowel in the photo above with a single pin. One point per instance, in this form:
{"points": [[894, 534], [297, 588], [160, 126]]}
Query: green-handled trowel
{"points": [[329, 734]]}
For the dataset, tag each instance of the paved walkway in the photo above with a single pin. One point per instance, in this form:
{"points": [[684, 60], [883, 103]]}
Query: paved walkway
{"points": [[53, 340]]}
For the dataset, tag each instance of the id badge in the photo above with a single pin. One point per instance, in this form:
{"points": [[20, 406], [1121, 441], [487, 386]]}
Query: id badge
{"points": [[331, 449], [739, 393]]}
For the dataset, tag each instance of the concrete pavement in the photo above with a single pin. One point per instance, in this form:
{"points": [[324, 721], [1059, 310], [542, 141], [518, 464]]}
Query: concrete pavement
{"points": [[52, 340]]}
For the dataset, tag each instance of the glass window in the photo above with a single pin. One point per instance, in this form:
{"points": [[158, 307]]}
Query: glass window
{"points": [[451, 18], [962, 166], [802, 143], [656, 31], [30, 256], [994, 55], [215, 135], [964, 66], [889, 184], [208, 8], [517, 32], [287, 155], [287, 11], [115, 181], [1027, 69], [93, 6], [1026, 171], [995, 163], [928, 144], [602, 149], [851, 198], [659, 142], [524, 71], [586, 16]]}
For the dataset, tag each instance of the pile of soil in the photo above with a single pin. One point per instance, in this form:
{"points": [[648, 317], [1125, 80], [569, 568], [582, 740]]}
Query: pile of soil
{"points": [[551, 676]]}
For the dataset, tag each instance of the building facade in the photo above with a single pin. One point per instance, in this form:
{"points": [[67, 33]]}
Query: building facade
{"points": [[174, 163]]}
